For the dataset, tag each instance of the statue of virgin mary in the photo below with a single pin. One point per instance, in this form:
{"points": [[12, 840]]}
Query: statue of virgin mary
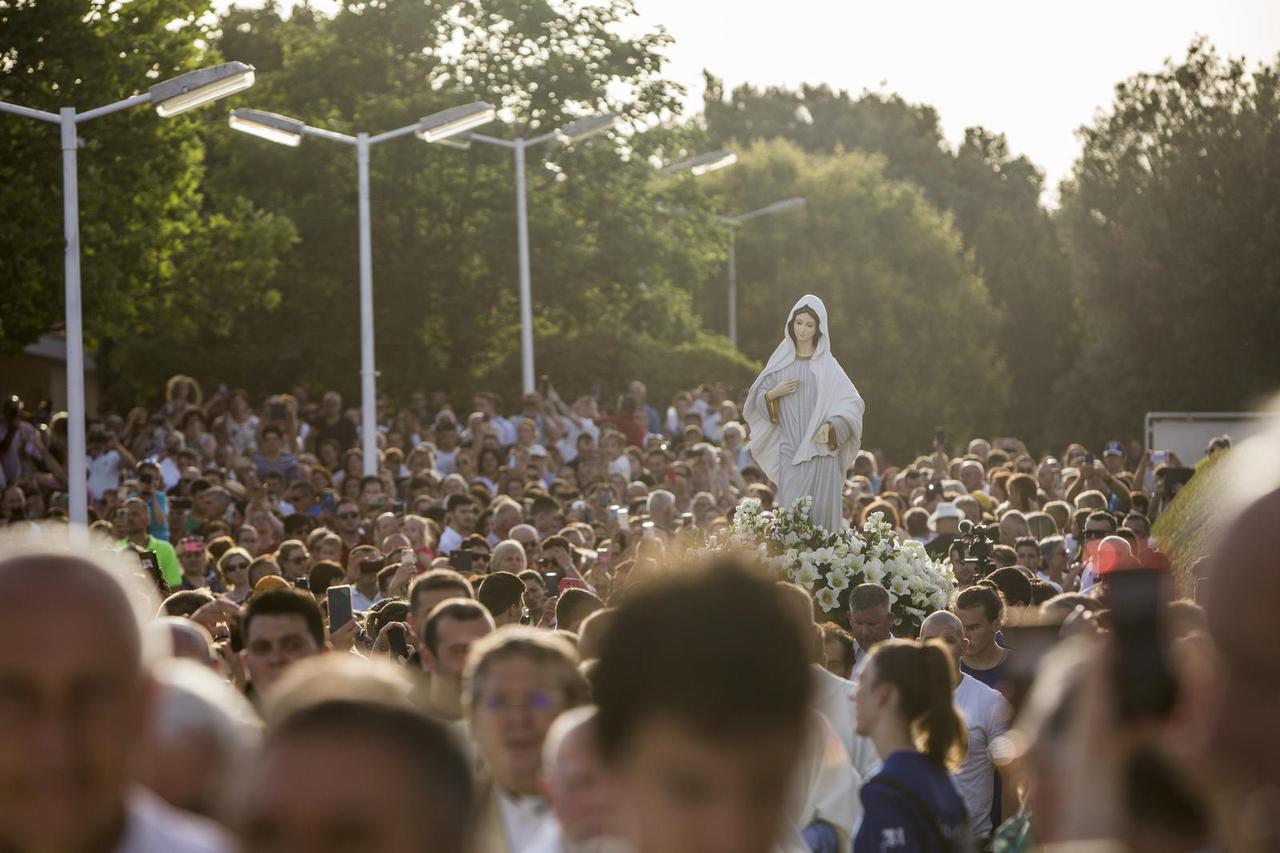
{"points": [[806, 417]]}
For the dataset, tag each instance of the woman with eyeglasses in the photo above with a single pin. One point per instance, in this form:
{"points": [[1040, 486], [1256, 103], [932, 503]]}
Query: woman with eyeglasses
{"points": [[233, 566], [517, 681]]}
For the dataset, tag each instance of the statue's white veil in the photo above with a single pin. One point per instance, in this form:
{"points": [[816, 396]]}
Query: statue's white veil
{"points": [[837, 397]]}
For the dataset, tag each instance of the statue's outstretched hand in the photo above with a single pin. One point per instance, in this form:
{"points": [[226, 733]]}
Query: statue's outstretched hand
{"points": [[783, 389]]}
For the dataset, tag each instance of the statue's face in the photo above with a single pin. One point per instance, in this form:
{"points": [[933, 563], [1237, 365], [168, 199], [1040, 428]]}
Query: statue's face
{"points": [[805, 327]]}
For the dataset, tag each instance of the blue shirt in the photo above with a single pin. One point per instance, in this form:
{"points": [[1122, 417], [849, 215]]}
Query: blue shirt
{"points": [[993, 678], [892, 820]]}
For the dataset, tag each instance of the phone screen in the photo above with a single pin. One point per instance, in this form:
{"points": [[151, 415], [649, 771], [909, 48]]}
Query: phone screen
{"points": [[1144, 681], [460, 561], [340, 611]]}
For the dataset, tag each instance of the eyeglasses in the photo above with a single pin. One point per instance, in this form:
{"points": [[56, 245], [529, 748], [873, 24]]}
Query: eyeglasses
{"points": [[1096, 534], [540, 701]]}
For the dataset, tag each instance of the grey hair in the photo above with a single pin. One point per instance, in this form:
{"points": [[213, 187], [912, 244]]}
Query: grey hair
{"points": [[1048, 544], [660, 499], [869, 596]]}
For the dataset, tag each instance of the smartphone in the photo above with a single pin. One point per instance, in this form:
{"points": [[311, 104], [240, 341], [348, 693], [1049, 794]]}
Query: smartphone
{"points": [[571, 583], [647, 528], [602, 558], [624, 517], [1145, 685], [686, 520], [340, 611], [182, 504], [395, 640], [551, 581], [460, 561], [277, 411], [1159, 457], [151, 563], [1028, 644]]}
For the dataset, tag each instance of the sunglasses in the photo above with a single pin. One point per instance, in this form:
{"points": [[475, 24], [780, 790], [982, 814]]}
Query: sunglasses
{"points": [[236, 567], [345, 515], [1096, 534]]}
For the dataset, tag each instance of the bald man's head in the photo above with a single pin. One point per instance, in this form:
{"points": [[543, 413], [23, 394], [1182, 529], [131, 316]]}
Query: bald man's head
{"points": [[72, 657], [574, 777], [945, 627]]}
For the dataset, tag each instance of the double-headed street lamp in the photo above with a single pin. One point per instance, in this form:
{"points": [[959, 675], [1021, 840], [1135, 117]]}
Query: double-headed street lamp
{"points": [[701, 164], [577, 131], [734, 222], [170, 98], [436, 127]]}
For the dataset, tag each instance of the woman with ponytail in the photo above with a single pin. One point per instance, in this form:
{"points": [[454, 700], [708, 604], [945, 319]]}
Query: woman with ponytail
{"points": [[903, 699]]}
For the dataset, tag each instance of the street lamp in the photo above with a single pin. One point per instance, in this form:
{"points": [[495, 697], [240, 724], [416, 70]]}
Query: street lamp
{"points": [[577, 131], [734, 222], [170, 98], [437, 127], [702, 164]]}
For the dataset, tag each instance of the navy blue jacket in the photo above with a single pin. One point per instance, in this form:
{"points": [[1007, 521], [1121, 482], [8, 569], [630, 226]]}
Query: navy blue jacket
{"points": [[895, 820]]}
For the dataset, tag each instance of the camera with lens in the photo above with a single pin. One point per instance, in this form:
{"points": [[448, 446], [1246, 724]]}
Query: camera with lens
{"points": [[979, 541]]}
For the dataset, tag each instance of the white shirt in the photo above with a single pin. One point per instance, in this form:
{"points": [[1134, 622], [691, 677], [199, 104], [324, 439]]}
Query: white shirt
{"points": [[153, 826], [824, 787], [1049, 581], [986, 716], [833, 699], [1088, 576], [359, 602], [621, 465], [445, 462], [450, 540], [523, 819], [104, 473]]}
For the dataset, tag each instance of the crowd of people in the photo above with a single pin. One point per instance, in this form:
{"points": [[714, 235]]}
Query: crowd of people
{"points": [[507, 633]]}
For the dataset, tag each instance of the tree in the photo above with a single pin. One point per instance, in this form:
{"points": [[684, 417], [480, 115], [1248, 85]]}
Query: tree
{"points": [[994, 197], [155, 246], [611, 274], [1173, 217], [911, 320]]}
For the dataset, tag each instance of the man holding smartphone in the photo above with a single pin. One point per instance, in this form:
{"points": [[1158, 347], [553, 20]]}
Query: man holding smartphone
{"points": [[363, 565], [136, 520]]}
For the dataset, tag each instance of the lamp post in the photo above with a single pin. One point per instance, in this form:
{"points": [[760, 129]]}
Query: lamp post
{"points": [[577, 131], [170, 98], [436, 127], [734, 222]]}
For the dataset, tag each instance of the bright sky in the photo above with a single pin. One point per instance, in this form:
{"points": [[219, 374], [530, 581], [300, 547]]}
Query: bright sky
{"points": [[1031, 69], [1034, 70]]}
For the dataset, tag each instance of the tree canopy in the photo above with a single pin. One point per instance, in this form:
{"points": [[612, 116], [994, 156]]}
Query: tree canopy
{"points": [[911, 320], [993, 197], [1173, 217]]}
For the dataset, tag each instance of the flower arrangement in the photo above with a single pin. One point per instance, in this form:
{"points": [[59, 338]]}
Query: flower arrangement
{"points": [[830, 564]]}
